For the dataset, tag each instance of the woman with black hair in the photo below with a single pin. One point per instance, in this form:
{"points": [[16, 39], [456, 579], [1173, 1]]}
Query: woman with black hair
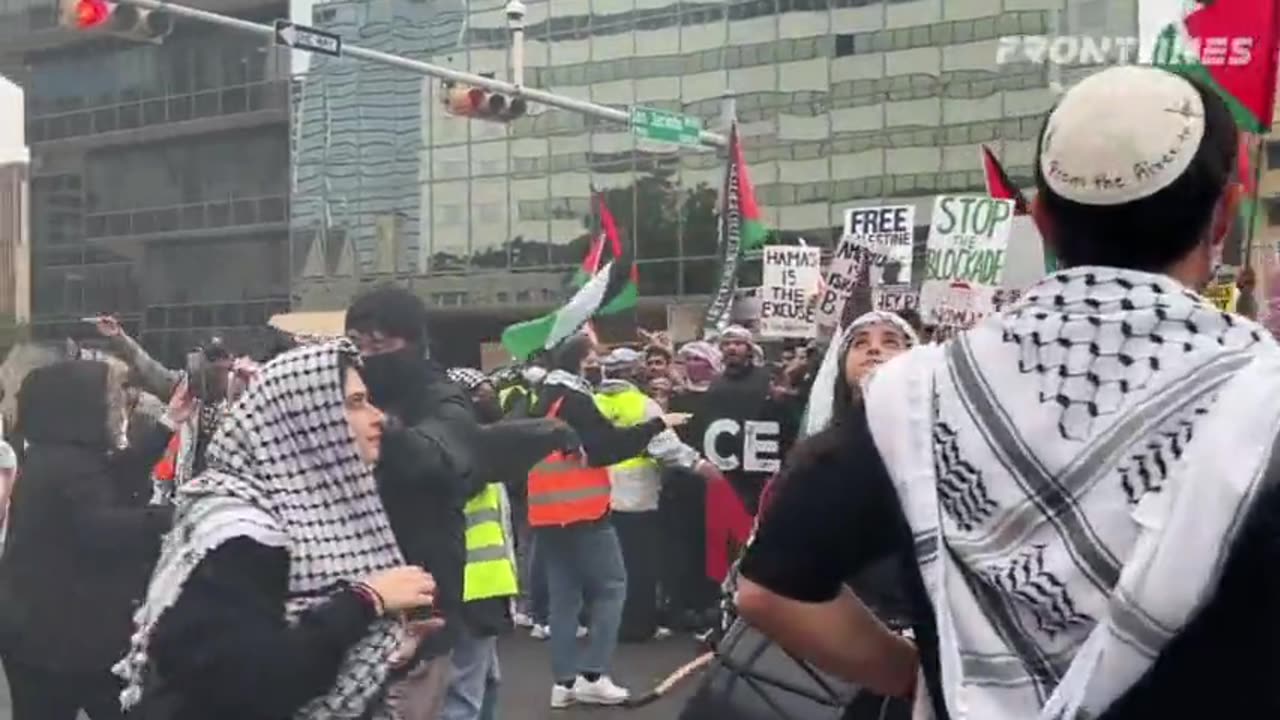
{"points": [[816, 461]]}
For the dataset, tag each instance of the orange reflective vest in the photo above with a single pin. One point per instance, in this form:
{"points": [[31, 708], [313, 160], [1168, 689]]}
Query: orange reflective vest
{"points": [[167, 469], [564, 491]]}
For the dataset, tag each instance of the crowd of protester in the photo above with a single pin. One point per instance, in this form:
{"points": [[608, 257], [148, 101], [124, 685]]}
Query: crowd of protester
{"points": [[1013, 523]]}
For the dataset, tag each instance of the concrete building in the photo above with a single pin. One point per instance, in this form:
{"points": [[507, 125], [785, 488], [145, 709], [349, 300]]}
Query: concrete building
{"points": [[842, 103], [160, 174], [15, 237]]}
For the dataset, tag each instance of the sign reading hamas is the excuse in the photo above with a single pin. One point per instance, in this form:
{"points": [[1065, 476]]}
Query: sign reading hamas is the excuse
{"points": [[877, 239], [791, 275], [968, 238]]}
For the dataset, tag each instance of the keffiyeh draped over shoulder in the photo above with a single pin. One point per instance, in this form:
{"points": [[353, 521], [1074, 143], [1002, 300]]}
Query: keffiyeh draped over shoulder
{"points": [[283, 471], [1064, 469]]}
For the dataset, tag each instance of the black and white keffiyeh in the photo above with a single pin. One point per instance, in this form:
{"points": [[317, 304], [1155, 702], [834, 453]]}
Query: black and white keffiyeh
{"points": [[283, 470], [568, 380], [1060, 465]]}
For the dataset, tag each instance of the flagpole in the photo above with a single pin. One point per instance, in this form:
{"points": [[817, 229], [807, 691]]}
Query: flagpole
{"points": [[1257, 192]]}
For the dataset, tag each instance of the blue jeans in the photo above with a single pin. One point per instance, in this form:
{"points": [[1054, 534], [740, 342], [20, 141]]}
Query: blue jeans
{"points": [[583, 559], [533, 581], [475, 675]]}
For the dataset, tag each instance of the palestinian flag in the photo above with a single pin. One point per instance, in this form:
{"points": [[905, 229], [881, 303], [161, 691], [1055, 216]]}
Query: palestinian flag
{"points": [[630, 294], [1230, 45], [526, 339], [1250, 220], [1001, 187], [740, 230]]}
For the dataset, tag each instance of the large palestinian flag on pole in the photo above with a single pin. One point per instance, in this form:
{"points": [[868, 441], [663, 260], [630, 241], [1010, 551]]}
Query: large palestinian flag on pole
{"points": [[740, 229], [629, 295], [1230, 45]]}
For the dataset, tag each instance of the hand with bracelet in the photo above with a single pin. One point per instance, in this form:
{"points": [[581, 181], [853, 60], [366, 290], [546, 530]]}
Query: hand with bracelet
{"points": [[400, 590], [397, 590]]}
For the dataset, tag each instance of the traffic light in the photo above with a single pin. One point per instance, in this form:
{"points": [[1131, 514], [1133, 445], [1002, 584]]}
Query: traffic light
{"points": [[480, 104], [123, 20]]}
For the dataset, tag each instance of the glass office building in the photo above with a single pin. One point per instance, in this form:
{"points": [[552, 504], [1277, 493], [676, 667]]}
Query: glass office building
{"points": [[159, 188], [840, 103]]}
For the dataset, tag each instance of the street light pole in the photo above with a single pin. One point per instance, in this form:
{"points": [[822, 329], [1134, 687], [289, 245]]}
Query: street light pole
{"points": [[515, 20], [511, 89]]}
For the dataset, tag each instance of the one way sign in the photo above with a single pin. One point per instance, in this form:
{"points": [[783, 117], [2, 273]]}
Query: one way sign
{"points": [[301, 37]]}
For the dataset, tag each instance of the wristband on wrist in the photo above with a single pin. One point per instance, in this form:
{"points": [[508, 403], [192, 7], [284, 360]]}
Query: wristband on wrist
{"points": [[370, 596]]}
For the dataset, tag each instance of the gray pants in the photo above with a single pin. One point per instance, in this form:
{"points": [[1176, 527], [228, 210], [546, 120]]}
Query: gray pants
{"points": [[420, 695]]}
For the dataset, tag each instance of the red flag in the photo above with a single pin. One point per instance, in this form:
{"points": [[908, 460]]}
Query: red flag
{"points": [[1249, 87], [999, 186]]}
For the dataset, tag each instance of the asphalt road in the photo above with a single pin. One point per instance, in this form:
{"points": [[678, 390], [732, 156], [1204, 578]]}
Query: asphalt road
{"points": [[526, 681]]}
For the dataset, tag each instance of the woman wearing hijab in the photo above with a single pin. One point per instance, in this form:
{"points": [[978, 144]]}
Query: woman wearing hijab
{"points": [[281, 592], [854, 354]]}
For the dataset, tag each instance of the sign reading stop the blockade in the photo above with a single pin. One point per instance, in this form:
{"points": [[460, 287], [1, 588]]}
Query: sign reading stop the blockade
{"points": [[964, 265], [791, 277], [877, 239]]}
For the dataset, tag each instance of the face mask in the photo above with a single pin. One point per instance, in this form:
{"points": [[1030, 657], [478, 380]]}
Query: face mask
{"points": [[389, 373]]}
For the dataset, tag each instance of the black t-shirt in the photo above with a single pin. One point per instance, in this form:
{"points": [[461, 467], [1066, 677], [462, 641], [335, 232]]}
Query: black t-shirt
{"points": [[817, 533], [821, 529]]}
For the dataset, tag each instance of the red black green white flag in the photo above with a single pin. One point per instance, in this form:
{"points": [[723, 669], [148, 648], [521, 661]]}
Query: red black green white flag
{"points": [[1230, 45], [608, 233], [740, 229]]}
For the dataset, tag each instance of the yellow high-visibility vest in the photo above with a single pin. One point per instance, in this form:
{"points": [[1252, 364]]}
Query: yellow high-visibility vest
{"points": [[508, 396], [491, 568], [626, 409]]}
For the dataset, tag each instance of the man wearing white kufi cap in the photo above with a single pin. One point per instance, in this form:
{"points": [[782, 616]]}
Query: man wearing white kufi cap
{"points": [[1086, 479]]}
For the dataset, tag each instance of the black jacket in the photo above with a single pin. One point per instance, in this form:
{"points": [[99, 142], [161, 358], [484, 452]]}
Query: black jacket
{"points": [[602, 442], [425, 477], [224, 650], [80, 548]]}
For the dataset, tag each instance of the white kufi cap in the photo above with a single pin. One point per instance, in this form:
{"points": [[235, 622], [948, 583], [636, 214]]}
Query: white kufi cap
{"points": [[1121, 135]]}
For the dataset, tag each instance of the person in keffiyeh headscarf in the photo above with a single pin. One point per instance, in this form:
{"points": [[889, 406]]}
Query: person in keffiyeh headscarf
{"points": [[280, 590], [1087, 481]]}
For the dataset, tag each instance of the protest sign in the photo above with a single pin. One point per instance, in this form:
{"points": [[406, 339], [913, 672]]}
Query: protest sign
{"points": [[1222, 294], [964, 265], [791, 277], [877, 242], [895, 299], [886, 234]]}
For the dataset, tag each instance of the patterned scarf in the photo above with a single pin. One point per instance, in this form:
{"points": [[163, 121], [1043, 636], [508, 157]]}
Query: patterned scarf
{"points": [[1052, 463], [284, 471], [568, 380]]}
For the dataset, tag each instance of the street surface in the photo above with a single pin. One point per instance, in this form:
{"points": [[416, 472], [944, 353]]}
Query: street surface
{"points": [[526, 681]]}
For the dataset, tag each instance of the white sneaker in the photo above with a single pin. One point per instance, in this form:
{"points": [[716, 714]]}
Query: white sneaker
{"points": [[600, 692], [662, 633], [583, 632], [561, 696], [540, 632], [521, 620]]}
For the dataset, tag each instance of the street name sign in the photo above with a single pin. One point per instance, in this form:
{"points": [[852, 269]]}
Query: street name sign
{"points": [[663, 126]]}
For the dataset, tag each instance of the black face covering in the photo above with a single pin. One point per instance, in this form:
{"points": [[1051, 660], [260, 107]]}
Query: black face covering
{"points": [[389, 375]]}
